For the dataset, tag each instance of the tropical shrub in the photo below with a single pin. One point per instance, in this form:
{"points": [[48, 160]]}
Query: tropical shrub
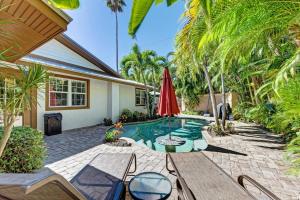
{"points": [[216, 130], [107, 121], [240, 110], [230, 128], [24, 152], [126, 116], [111, 136], [293, 155], [288, 103], [19, 95], [142, 117], [261, 114], [135, 116]]}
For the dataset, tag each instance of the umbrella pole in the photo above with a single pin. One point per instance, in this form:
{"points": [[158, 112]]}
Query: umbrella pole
{"points": [[169, 128]]}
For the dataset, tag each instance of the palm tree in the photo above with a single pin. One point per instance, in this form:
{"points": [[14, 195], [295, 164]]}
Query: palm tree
{"points": [[116, 6], [65, 4], [139, 10], [199, 20], [135, 65], [18, 93], [154, 73]]}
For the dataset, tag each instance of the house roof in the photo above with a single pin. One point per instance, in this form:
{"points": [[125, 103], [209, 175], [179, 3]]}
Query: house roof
{"points": [[74, 46]]}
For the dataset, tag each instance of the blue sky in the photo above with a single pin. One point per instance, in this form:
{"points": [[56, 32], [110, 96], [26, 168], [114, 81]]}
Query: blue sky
{"points": [[93, 27]]}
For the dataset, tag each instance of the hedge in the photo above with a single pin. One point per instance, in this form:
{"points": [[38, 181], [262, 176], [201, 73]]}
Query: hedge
{"points": [[24, 152]]}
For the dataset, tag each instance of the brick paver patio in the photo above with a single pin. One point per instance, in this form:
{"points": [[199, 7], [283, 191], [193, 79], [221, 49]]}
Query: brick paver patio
{"points": [[252, 152]]}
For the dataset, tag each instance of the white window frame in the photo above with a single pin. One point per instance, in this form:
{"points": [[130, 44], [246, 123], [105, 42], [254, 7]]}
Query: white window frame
{"points": [[142, 91], [84, 93], [69, 93]]}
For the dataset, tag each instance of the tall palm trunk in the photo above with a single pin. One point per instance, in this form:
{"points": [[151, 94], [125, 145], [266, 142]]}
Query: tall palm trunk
{"points": [[9, 120], [212, 96], [147, 94], [154, 94], [224, 102], [117, 41], [211, 90], [6, 135]]}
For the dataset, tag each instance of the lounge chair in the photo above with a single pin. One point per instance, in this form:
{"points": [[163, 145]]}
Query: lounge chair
{"points": [[102, 178], [200, 178]]}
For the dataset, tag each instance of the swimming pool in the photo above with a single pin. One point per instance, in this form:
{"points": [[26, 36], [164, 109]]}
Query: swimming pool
{"points": [[147, 132]]}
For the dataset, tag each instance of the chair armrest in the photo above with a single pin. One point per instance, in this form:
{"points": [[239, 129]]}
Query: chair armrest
{"points": [[184, 192], [257, 185]]}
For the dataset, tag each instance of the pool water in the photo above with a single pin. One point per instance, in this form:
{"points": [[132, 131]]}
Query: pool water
{"points": [[189, 129]]}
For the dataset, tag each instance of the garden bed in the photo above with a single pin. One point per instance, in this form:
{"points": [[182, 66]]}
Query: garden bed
{"points": [[119, 143]]}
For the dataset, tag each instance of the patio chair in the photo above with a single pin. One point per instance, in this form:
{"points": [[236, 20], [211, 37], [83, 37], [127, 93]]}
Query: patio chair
{"points": [[102, 178], [200, 178]]}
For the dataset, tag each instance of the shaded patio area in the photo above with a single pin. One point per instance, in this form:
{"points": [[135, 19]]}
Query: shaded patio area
{"points": [[252, 151]]}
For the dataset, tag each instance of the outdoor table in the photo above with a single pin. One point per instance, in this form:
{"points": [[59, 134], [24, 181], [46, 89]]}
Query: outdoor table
{"points": [[170, 144], [150, 186]]}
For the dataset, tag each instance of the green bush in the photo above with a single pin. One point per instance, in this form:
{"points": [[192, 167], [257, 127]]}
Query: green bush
{"points": [[135, 116], [240, 110], [24, 152], [111, 136], [107, 121], [126, 116], [142, 117], [189, 112], [287, 118], [261, 114], [293, 155]]}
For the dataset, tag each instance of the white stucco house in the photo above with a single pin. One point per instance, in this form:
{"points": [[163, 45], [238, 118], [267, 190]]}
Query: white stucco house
{"points": [[81, 87]]}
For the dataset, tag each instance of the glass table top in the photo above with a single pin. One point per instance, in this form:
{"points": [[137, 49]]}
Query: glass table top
{"points": [[150, 186]]}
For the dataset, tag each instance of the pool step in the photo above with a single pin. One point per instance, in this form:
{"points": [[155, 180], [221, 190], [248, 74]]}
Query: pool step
{"points": [[141, 141], [195, 123], [149, 144], [191, 125]]}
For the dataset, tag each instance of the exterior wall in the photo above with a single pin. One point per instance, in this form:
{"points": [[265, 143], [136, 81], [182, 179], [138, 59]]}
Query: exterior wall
{"points": [[115, 99], [127, 99], [205, 103], [107, 99], [55, 50], [79, 117]]}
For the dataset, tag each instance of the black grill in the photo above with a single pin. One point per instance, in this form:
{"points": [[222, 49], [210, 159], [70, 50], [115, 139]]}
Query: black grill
{"points": [[52, 123]]}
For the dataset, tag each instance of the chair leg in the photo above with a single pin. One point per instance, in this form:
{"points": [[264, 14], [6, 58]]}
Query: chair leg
{"points": [[135, 164]]}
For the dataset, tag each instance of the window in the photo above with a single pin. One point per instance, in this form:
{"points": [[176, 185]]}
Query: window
{"points": [[140, 97], [59, 89], [67, 92], [78, 93]]}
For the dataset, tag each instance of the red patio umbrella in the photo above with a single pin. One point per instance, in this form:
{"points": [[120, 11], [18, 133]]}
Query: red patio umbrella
{"points": [[167, 100]]}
